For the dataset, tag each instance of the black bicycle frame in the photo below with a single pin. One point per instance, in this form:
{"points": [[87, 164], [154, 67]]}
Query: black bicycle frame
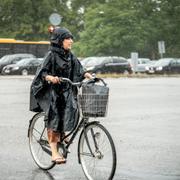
{"points": [[74, 133]]}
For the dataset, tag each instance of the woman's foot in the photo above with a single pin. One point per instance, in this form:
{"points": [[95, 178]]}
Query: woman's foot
{"points": [[58, 159]]}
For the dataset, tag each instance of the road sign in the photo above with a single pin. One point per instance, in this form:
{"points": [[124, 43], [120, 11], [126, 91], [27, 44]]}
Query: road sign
{"points": [[134, 61], [55, 19], [161, 47]]}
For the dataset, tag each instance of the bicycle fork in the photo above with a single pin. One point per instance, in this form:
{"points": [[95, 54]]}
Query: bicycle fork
{"points": [[94, 138]]}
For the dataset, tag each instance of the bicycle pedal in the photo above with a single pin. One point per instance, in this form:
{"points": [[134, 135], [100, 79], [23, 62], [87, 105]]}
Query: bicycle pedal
{"points": [[68, 150]]}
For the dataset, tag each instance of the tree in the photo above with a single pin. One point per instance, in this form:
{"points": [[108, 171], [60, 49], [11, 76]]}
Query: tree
{"points": [[109, 29], [170, 14], [100, 27], [29, 19], [120, 27]]}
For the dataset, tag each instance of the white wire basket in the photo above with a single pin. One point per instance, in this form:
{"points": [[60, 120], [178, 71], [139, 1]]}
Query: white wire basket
{"points": [[94, 100]]}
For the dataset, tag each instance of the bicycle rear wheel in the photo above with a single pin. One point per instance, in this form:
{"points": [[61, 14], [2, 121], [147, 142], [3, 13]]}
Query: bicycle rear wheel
{"points": [[98, 159], [38, 142]]}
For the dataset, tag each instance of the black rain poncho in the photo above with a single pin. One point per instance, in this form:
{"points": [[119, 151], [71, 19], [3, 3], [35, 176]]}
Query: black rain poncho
{"points": [[58, 101]]}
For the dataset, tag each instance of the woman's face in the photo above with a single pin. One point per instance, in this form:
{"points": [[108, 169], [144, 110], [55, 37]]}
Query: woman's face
{"points": [[67, 43]]}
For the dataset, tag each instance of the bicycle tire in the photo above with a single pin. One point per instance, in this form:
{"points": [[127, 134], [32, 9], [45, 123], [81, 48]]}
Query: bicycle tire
{"points": [[38, 142], [103, 165]]}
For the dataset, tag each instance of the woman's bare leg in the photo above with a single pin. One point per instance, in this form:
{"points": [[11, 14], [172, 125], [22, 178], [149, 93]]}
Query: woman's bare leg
{"points": [[54, 138]]}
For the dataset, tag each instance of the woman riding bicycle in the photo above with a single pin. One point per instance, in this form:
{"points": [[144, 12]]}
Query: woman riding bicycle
{"points": [[53, 97]]}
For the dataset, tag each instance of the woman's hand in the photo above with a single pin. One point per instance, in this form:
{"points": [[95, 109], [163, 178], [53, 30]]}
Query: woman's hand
{"points": [[88, 75], [52, 79]]}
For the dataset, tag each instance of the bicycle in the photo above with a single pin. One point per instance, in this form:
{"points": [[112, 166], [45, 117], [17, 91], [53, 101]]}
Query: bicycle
{"points": [[96, 149]]}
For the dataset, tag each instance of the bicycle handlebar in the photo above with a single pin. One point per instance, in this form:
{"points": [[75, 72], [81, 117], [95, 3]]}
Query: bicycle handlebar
{"points": [[62, 79], [94, 80]]}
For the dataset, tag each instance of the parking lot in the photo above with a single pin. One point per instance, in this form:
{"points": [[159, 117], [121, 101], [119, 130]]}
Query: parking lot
{"points": [[143, 119]]}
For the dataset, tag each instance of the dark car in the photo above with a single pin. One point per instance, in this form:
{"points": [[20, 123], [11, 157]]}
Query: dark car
{"points": [[24, 67], [12, 59], [106, 65], [165, 66]]}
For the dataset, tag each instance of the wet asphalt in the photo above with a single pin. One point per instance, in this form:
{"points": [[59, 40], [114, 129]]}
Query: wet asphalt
{"points": [[143, 119]]}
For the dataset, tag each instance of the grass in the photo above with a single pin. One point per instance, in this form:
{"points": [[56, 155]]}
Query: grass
{"points": [[137, 75]]}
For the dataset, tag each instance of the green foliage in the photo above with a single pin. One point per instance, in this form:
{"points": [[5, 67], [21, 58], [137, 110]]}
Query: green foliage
{"points": [[109, 29], [100, 27], [29, 19], [130, 25]]}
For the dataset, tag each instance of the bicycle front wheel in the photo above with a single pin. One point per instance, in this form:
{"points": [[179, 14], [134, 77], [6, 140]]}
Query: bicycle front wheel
{"points": [[38, 142], [97, 153]]}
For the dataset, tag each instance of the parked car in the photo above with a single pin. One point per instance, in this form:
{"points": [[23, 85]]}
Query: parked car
{"points": [[141, 64], [165, 66], [12, 59], [24, 67], [112, 64]]}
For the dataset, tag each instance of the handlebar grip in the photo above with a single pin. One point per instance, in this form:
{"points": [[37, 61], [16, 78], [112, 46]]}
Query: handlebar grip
{"points": [[94, 80]]}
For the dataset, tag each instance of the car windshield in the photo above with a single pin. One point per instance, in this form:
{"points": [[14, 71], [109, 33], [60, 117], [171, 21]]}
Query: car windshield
{"points": [[5, 58], [84, 61], [93, 61], [144, 61], [24, 62], [162, 62]]}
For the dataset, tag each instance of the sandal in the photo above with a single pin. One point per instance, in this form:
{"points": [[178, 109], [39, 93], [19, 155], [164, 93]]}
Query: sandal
{"points": [[59, 160]]}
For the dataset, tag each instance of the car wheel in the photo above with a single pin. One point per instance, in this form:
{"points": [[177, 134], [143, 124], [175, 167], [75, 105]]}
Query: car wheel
{"points": [[98, 72], [126, 72], [24, 72]]}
